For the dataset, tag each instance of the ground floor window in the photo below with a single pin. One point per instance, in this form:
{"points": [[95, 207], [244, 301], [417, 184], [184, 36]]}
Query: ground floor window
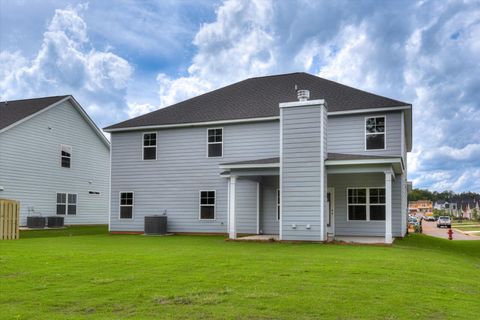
{"points": [[66, 203], [207, 205], [126, 205], [366, 204]]}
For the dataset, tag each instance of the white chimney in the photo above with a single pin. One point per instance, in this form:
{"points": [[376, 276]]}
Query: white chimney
{"points": [[303, 95]]}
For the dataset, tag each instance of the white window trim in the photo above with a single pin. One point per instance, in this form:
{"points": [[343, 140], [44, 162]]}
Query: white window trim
{"points": [[278, 212], [200, 205], [367, 204], [367, 133], [126, 205], [61, 156], [143, 146], [223, 139], [66, 204]]}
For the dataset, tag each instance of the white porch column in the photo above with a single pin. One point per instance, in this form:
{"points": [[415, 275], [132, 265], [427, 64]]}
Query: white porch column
{"points": [[388, 207], [232, 233]]}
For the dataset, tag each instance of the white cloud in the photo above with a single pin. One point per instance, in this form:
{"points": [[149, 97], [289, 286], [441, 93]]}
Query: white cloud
{"points": [[238, 44], [137, 109], [67, 63]]}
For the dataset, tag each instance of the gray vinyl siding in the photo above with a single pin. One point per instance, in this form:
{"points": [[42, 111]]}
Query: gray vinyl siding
{"points": [[301, 183], [30, 169], [268, 214], [340, 183], [172, 182], [346, 134]]}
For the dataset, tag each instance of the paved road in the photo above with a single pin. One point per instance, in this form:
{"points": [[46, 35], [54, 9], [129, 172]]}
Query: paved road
{"points": [[431, 229]]}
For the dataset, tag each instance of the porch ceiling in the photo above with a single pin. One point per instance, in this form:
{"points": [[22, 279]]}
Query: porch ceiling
{"points": [[353, 163]]}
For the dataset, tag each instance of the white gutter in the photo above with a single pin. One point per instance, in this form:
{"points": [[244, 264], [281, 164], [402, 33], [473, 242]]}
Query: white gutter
{"points": [[219, 122], [365, 161], [192, 124], [338, 113]]}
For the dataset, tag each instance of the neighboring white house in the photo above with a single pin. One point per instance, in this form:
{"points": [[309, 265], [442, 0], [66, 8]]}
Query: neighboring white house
{"points": [[54, 160], [250, 158]]}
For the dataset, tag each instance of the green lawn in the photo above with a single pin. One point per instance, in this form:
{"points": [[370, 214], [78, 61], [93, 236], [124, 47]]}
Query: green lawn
{"points": [[467, 226], [85, 273]]}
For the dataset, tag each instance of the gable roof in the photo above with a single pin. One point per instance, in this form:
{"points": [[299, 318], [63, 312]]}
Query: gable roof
{"points": [[259, 98], [14, 112]]}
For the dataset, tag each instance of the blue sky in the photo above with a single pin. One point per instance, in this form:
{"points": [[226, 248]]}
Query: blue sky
{"points": [[132, 57]]}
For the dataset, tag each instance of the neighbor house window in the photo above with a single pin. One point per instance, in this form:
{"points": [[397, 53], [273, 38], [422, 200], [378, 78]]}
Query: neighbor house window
{"points": [[72, 204], [207, 205], [215, 142], [375, 133], [126, 205], [66, 156], [278, 204], [367, 204], [150, 146], [61, 203], [66, 203]]}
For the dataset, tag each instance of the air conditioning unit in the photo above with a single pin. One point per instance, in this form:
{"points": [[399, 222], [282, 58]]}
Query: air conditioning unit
{"points": [[155, 225]]}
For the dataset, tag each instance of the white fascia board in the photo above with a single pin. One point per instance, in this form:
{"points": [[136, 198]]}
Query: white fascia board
{"points": [[361, 161], [193, 124], [306, 103], [35, 114], [366, 161], [282, 105], [250, 166], [337, 113]]}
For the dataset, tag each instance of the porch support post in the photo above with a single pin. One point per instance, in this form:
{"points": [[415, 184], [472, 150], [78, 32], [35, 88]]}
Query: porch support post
{"points": [[232, 233], [388, 207]]}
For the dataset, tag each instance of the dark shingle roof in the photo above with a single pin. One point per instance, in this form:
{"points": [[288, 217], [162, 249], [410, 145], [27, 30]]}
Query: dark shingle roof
{"points": [[16, 110], [257, 98]]}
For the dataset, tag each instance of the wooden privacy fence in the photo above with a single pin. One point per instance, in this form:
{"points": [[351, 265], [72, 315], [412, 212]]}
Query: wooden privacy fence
{"points": [[9, 219]]}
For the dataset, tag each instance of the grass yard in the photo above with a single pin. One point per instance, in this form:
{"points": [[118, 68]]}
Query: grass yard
{"points": [[467, 226], [85, 273]]}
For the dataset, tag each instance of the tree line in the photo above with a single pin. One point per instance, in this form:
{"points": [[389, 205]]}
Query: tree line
{"points": [[449, 196]]}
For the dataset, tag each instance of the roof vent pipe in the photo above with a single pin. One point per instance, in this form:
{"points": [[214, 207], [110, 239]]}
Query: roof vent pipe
{"points": [[303, 95]]}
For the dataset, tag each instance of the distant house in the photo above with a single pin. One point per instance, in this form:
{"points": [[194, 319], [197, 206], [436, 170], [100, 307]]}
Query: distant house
{"points": [[420, 206], [439, 204], [261, 157], [468, 208], [54, 160]]}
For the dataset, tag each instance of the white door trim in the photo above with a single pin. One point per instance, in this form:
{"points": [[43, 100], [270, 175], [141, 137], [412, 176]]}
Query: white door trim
{"points": [[331, 229]]}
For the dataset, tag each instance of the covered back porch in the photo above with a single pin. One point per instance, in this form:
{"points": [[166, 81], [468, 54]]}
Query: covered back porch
{"points": [[253, 198], [365, 202], [364, 199]]}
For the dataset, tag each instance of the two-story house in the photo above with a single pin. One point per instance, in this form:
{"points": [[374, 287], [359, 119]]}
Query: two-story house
{"points": [[54, 160], [264, 156]]}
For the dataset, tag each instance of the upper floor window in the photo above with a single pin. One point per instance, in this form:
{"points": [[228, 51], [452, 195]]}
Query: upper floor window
{"points": [[66, 156], [375, 133], [215, 142], [150, 146]]}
